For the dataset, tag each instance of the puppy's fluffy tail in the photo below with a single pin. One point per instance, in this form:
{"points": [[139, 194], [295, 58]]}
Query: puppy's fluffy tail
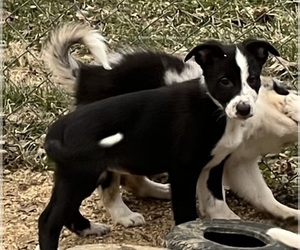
{"points": [[57, 50], [289, 238]]}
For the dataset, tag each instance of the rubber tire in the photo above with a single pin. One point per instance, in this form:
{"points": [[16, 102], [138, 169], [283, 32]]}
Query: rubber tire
{"points": [[190, 235]]}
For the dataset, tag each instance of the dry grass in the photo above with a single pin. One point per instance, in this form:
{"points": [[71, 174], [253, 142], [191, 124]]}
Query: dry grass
{"points": [[32, 101], [26, 193]]}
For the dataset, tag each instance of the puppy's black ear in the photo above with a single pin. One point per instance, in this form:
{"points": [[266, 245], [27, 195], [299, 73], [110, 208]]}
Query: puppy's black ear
{"points": [[280, 88], [260, 49], [205, 51]]}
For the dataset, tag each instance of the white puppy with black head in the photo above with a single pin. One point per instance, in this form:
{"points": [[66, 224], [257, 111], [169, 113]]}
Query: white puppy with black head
{"points": [[273, 126]]}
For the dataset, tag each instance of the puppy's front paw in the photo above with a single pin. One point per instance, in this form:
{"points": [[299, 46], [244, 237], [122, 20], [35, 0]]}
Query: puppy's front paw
{"points": [[219, 210], [95, 229], [292, 107], [131, 220]]}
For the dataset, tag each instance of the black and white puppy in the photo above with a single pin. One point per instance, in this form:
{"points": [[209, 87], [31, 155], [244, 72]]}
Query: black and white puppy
{"points": [[89, 83], [179, 129], [94, 83]]}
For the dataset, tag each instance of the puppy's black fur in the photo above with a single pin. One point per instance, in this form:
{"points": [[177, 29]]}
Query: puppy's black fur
{"points": [[134, 72], [163, 132], [169, 129]]}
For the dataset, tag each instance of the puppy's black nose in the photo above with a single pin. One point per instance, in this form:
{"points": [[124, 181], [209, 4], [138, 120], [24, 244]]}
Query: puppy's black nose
{"points": [[243, 109]]}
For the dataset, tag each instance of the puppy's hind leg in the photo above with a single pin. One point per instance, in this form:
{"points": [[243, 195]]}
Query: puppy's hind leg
{"points": [[53, 218], [109, 191], [245, 179], [50, 224], [83, 227], [62, 210], [141, 186], [76, 222]]}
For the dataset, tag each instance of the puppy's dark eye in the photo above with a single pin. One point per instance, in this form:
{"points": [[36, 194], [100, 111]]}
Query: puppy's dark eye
{"points": [[224, 81]]}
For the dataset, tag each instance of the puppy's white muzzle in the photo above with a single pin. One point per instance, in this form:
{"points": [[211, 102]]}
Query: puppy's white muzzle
{"points": [[239, 109], [242, 106]]}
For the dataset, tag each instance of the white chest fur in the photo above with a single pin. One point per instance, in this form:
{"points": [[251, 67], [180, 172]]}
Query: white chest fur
{"points": [[231, 139]]}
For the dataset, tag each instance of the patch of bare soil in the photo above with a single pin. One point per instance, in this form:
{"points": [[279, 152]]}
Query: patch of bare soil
{"points": [[26, 193]]}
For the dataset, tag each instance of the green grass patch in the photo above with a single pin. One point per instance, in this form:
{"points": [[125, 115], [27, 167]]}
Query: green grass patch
{"points": [[32, 101]]}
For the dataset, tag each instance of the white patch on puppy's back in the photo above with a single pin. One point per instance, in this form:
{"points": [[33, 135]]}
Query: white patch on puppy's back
{"points": [[191, 71], [115, 58], [109, 141]]}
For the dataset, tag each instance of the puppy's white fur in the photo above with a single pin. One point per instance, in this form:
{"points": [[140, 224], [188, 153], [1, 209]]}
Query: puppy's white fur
{"points": [[229, 142], [96, 44], [270, 129], [190, 71], [63, 64], [289, 238], [141, 186], [95, 229], [113, 203], [247, 94], [242, 63], [111, 140]]}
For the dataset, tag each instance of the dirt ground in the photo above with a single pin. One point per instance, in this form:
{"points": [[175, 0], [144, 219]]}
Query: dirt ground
{"points": [[26, 193]]}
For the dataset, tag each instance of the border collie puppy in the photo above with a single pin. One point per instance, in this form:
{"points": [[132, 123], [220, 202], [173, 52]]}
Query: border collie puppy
{"points": [[179, 129], [155, 68], [273, 127], [133, 70]]}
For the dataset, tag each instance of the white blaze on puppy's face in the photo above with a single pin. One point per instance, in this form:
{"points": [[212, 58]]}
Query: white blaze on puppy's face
{"points": [[242, 63], [247, 96]]}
